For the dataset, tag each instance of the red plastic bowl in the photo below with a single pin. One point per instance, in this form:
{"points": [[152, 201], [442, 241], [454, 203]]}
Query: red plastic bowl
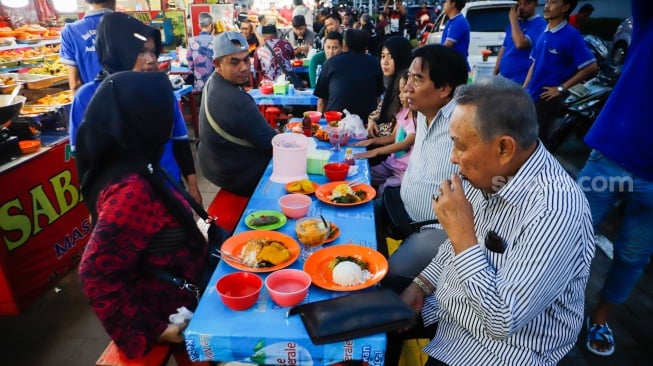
{"points": [[314, 115], [332, 116], [336, 171], [239, 290], [266, 89], [288, 287]]}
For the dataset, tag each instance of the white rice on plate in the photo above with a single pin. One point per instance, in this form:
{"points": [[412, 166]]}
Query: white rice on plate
{"points": [[348, 273]]}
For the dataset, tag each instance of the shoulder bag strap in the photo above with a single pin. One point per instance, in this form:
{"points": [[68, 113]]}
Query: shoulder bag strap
{"points": [[201, 212], [216, 127]]}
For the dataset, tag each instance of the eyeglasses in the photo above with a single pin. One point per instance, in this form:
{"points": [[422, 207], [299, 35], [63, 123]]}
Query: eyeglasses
{"points": [[494, 243]]}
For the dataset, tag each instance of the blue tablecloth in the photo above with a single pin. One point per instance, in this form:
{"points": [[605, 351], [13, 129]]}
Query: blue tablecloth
{"points": [[301, 97], [263, 332], [182, 91]]}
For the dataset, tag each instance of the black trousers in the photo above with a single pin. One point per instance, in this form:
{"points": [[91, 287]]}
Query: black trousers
{"points": [[433, 362], [547, 112]]}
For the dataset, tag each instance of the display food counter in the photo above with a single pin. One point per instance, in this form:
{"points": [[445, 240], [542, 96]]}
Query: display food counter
{"points": [[44, 224]]}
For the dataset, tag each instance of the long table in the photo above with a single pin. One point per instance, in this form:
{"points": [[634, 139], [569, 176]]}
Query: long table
{"points": [[264, 334], [301, 97]]}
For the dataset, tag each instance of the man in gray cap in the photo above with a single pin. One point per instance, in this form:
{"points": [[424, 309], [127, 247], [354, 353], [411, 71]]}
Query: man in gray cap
{"points": [[235, 140]]}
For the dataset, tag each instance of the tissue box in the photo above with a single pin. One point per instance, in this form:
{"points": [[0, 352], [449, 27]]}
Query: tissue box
{"points": [[316, 160], [281, 88]]}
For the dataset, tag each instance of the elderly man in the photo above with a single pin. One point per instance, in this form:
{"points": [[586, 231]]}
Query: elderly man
{"points": [[508, 286], [524, 30], [351, 80], [235, 140], [200, 53], [433, 76], [301, 38]]}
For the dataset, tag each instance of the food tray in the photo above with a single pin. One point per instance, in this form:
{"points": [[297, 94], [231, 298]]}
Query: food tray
{"points": [[36, 81]]}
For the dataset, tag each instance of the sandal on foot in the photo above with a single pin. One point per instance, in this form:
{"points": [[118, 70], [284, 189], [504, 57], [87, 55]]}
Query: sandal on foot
{"points": [[601, 333]]}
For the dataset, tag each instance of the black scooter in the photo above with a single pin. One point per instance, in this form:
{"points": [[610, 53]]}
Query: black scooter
{"points": [[585, 100]]}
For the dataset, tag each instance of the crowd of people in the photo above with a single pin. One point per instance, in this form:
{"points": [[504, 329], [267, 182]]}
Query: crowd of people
{"points": [[498, 274]]}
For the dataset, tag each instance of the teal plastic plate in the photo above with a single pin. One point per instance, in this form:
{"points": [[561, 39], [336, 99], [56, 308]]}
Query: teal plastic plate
{"points": [[282, 219]]}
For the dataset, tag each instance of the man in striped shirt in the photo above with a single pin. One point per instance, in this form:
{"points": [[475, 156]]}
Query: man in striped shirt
{"points": [[508, 286], [433, 76]]}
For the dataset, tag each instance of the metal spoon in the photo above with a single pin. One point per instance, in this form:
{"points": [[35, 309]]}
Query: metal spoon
{"points": [[326, 223], [14, 93]]}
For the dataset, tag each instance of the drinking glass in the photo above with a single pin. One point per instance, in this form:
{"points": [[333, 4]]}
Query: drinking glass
{"points": [[337, 136], [312, 233]]}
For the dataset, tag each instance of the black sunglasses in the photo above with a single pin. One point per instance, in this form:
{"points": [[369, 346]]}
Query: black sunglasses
{"points": [[494, 243]]}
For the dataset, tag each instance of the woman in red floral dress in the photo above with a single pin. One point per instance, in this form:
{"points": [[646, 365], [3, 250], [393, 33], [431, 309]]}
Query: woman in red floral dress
{"points": [[139, 222]]}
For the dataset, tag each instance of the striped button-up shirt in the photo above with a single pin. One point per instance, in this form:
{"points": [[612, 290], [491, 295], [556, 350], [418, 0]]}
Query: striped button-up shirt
{"points": [[525, 306], [429, 164]]}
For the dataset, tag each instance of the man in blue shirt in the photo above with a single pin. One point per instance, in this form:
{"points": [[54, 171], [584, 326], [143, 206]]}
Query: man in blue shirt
{"points": [[456, 32], [621, 141], [561, 59], [78, 44], [524, 30]]}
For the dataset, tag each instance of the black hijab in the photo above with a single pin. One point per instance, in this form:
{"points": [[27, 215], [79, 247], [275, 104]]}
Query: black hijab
{"points": [[125, 127], [400, 50], [120, 39]]}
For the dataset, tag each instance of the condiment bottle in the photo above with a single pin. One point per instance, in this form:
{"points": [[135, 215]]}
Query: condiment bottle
{"points": [[349, 157], [307, 125]]}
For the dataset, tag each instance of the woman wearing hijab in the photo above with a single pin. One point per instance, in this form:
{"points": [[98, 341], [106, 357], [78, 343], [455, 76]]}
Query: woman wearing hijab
{"points": [[140, 224], [395, 59], [124, 43]]}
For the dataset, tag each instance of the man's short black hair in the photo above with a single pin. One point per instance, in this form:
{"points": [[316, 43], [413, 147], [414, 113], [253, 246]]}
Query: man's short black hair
{"points": [[356, 40], [446, 66], [335, 16], [334, 35], [586, 8]]}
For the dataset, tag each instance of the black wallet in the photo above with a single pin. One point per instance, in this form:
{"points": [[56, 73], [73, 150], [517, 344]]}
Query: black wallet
{"points": [[354, 316]]}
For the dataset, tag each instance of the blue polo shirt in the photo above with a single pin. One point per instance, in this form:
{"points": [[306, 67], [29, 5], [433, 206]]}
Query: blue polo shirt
{"points": [[83, 98], [78, 44], [622, 130], [515, 62], [457, 31], [558, 55]]}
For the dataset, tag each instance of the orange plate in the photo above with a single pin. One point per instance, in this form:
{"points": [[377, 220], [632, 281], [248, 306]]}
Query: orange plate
{"points": [[324, 191], [335, 232], [235, 244], [291, 125], [315, 187], [317, 266], [29, 146]]}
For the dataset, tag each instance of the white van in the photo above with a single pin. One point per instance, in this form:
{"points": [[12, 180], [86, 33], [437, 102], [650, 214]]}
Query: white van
{"points": [[487, 21]]}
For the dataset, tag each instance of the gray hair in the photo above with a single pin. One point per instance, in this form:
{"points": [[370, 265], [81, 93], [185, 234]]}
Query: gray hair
{"points": [[205, 19], [502, 108]]}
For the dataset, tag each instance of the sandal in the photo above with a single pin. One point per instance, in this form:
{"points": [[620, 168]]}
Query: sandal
{"points": [[602, 333]]}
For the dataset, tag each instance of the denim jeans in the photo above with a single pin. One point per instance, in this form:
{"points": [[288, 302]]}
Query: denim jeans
{"points": [[604, 183]]}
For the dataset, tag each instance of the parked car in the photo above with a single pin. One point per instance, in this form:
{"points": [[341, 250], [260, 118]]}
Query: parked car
{"points": [[487, 21], [621, 41]]}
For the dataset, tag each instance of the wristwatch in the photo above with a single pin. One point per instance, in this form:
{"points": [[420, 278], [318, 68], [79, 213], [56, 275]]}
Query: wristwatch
{"points": [[561, 88], [422, 286]]}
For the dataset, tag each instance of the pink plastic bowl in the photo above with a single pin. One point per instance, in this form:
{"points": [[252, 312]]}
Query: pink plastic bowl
{"points": [[288, 287], [336, 171], [314, 115], [295, 205], [332, 116], [239, 290]]}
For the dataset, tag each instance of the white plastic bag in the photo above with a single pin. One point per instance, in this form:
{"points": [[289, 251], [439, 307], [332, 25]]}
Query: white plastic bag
{"points": [[353, 124]]}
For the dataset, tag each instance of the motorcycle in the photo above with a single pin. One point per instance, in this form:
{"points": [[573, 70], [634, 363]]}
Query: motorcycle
{"points": [[585, 100]]}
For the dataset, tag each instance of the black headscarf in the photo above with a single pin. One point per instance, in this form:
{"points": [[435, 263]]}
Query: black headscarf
{"points": [[120, 39], [400, 50], [125, 127]]}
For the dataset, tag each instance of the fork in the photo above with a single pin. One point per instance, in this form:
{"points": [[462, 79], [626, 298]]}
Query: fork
{"points": [[354, 182], [229, 256]]}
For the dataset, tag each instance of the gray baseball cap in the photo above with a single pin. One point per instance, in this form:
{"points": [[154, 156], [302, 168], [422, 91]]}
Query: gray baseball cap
{"points": [[227, 43]]}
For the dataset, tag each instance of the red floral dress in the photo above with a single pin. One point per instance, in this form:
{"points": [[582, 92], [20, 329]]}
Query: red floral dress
{"points": [[133, 305]]}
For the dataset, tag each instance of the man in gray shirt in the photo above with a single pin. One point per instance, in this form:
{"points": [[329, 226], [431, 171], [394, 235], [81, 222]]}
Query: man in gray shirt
{"points": [[301, 38]]}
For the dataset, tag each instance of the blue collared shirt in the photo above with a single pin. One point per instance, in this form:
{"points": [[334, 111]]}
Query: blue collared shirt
{"points": [[524, 306], [559, 54], [457, 31], [515, 62]]}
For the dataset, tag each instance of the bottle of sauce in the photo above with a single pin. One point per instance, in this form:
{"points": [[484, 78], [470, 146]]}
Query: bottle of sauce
{"points": [[349, 157], [307, 126]]}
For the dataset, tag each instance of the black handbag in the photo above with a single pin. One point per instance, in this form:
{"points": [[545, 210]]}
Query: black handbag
{"points": [[400, 225], [354, 316]]}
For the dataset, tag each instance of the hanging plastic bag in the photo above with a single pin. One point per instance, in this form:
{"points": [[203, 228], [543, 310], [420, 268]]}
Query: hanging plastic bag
{"points": [[353, 124]]}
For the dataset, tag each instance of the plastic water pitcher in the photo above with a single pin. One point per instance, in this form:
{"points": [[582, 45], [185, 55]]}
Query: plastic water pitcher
{"points": [[289, 156], [482, 70]]}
